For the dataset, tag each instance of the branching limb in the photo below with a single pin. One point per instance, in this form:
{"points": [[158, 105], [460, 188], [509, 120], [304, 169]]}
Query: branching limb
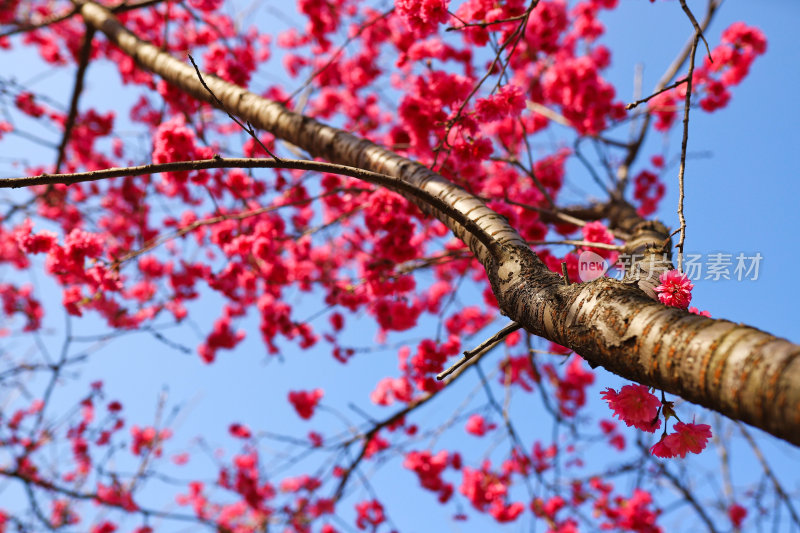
{"points": [[671, 71], [697, 28], [383, 180], [685, 491]]}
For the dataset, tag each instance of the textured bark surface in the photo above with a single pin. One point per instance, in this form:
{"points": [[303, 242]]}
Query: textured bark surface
{"points": [[736, 370]]}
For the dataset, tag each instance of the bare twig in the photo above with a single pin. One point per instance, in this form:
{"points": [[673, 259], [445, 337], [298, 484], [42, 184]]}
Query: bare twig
{"points": [[565, 273], [481, 349], [684, 143], [83, 64], [338, 53], [632, 105], [699, 508], [671, 71], [770, 474], [248, 128], [697, 29], [369, 435]]}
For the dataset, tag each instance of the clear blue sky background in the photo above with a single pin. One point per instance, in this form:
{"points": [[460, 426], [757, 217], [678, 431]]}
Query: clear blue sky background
{"points": [[741, 196]]}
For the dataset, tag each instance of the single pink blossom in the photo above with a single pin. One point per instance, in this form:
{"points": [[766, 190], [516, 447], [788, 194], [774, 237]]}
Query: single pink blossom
{"points": [[635, 405], [660, 449], [675, 289], [688, 438], [476, 425], [737, 514]]}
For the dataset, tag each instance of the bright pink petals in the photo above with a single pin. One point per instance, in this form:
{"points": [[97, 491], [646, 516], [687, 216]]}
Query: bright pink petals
{"points": [[476, 425], [675, 289], [423, 15], [635, 405], [649, 190], [508, 101], [737, 514], [305, 402], [370, 515], [686, 438], [487, 492], [696, 311], [429, 469]]}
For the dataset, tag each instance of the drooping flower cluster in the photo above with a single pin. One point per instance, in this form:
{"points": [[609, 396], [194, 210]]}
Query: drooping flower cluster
{"points": [[638, 407], [685, 438]]}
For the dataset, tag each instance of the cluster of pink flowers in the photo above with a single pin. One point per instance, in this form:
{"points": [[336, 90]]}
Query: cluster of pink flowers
{"points": [[638, 407], [476, 425], [148, 439], [508, 100], [423, 15], [429, 468], [732, 59], [648, 190], [487, 491]]}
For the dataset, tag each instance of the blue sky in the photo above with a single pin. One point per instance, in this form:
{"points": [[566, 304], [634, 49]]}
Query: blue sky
{"points": [[741, 196]]}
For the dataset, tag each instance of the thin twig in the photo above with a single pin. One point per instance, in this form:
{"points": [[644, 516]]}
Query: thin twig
{"points": [[684, 143], [361, 29], [697, 28], [539, 185], [513, 41], [369, 435], [668, 75], [248, 128], [769, 473], [688, 495], [83, 64], [481, 349], [632, 105], [565, 272]]}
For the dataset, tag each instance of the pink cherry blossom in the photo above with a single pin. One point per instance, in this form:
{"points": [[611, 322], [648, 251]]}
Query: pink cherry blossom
{"points": [[305, 402], [635, 405], [737, 514], [688, 438], [675, 289]]}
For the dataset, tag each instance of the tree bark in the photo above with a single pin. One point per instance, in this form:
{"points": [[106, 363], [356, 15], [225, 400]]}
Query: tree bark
{"points": [[739, 371]]}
